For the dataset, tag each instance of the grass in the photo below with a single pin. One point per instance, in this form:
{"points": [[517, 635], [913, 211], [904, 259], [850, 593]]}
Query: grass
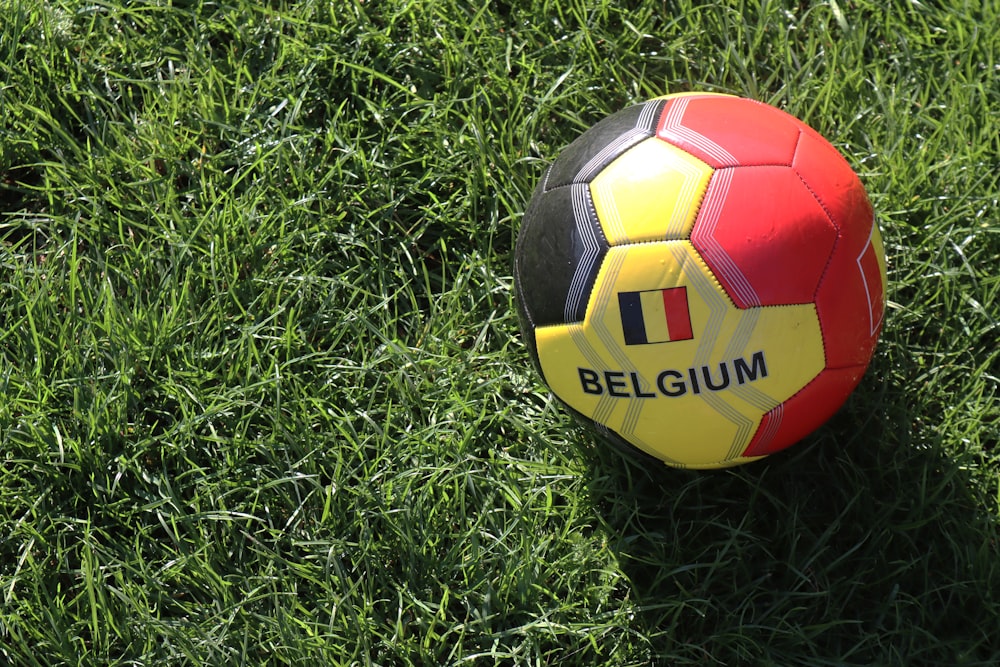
{"points": [[263, 396]]}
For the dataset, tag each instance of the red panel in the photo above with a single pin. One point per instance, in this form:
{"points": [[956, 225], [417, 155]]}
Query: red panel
{"points": [[851, 296], [728, 131], [764, 236], [805, 412], [871, 273], [835, 185], [846, 306]]}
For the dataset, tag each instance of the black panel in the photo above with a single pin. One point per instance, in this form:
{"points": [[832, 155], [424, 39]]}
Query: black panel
{"points": [[552, 248], [527, 327], [543, 256], [612, 136]]}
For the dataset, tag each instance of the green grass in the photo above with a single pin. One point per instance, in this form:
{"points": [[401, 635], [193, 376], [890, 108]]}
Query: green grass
{"points": [[263, 395]]}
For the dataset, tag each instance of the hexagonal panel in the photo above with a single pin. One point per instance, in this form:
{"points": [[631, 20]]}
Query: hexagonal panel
{"points": [[803, 413], [558, 252], [764, 236], [727, 131], [594, 149], [851, 295], [694, 398], [651, 192]]}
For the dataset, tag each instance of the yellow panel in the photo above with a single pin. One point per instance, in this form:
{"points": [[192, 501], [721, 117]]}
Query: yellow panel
{"points": [[651, 192], [692, 402]]}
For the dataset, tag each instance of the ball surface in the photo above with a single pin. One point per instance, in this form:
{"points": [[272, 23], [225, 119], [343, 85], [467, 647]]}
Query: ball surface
{"points": [[701, 277]]}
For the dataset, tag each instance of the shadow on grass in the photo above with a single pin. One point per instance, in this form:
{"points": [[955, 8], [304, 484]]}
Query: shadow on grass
{"points": [[868, 543]]}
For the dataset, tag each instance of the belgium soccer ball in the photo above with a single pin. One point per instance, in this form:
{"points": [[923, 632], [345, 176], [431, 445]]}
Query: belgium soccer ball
{"points": [[701, 277]]}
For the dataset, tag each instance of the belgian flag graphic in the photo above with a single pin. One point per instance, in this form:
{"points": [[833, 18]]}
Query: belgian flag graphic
{"points": [[655, 316]]}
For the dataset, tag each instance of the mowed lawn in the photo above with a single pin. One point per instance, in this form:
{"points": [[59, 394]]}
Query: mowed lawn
{"points": [[263, 398]]}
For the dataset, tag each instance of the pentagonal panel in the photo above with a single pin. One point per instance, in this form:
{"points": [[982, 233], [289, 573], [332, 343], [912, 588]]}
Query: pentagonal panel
{"points": [[764, 236], [651, 192]]}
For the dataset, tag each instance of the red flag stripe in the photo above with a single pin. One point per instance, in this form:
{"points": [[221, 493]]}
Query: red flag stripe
{"points": [[675, 305]]}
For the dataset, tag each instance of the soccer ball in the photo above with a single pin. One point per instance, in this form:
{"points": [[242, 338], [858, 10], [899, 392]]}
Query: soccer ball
{"points": [[701, 277]]}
